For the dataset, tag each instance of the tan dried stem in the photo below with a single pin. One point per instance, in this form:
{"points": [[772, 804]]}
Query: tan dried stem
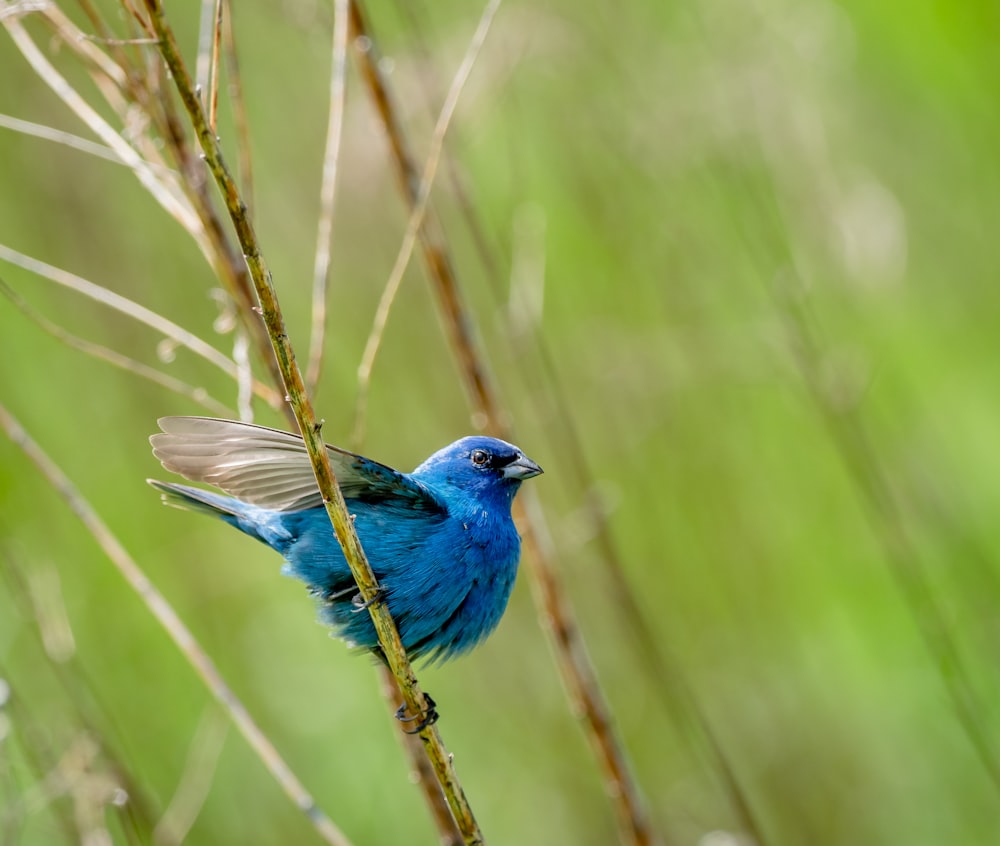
{"points": [[115, 358], [554, 608], [176, 205], [207, 64], [119, 89], [418, 213], [196, 780], [213, 87], [160, 324], [236, 100], [195, 212], [663, 668], [327, 194], [301, 405], [175, 628], [202, 62], [59, 136], [126, 84]]}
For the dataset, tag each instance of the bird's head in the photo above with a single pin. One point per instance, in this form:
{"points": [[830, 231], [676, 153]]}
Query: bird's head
{"points": [[486, 466]]}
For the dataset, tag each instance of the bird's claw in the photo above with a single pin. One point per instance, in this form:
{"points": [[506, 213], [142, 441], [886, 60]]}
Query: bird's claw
{"points": [[426, 718], [363, 604]]}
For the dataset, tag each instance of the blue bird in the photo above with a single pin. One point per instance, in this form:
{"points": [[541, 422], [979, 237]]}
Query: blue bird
{"points": [[440, 540]]}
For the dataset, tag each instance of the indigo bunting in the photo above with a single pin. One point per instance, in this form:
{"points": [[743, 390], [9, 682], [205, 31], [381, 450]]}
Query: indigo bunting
{"points": [[440, 540]]}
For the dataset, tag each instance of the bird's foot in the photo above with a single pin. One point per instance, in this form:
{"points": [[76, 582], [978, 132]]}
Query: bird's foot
{"points": [[426, 718], [363, 604], [331, 597]]}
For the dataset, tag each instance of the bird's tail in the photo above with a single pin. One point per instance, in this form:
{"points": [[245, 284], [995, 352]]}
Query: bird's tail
{"points": [[257, 522], [195, 499]]}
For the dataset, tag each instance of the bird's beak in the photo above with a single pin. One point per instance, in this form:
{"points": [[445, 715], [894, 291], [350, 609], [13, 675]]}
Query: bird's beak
{"points": [[520, 468]]}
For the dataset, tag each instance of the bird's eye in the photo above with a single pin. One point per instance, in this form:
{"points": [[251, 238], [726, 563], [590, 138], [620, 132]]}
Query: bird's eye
{"points": [[479, 457]]}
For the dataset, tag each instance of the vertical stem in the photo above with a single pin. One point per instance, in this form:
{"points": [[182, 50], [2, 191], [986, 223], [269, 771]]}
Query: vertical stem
{"points": [[574, 663], [298, 398], [448, 832]]}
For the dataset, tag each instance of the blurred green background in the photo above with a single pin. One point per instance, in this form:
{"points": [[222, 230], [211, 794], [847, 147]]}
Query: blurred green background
{"points": [[756, 243]]}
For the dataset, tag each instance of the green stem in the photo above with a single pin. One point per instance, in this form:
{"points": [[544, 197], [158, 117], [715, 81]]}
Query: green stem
{"points": [[336, 507]]}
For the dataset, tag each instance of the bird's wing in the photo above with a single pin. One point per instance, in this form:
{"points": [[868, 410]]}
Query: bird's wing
{"points": [[271, 468]]}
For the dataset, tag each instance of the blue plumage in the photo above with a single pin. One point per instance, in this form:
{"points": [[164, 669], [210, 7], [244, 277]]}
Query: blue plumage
{"points": [[440, 539]]}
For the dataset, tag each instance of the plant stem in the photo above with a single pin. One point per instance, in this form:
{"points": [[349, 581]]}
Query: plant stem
{"points": [[175, 628], [297, 396], [555, 609]]}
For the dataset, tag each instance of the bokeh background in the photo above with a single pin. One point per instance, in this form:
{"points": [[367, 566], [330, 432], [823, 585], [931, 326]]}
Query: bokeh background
{"points": [[745, 252]]}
